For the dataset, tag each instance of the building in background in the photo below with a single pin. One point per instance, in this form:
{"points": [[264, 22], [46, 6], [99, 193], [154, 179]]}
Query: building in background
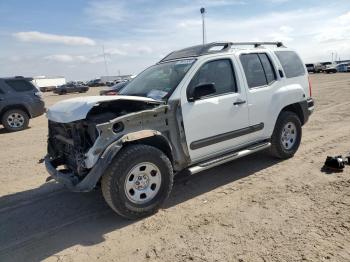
{"points": [[48, 83]]}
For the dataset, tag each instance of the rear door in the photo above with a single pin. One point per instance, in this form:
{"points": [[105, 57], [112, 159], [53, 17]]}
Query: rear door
{"points": [[261, 81], [22, 92]]}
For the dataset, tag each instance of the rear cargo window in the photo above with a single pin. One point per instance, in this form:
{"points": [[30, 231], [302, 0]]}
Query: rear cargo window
{"points": [[20, 85], [291, 63]]}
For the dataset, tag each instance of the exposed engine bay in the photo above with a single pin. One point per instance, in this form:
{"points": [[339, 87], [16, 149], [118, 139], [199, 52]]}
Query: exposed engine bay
{"points": [[68, 143]]}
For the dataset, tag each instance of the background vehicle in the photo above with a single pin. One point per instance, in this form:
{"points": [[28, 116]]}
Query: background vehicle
{"points": [[20, 100], [71, 87], [113, 90], [310, 68], [343, 67], [197, 108], [330, 68], [320, 67], [95, 82]]}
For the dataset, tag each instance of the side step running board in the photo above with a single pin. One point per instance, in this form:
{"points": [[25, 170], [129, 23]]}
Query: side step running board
{"points": [[228, 157]]}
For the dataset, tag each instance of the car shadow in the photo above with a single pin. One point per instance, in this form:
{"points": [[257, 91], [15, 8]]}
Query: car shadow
{"points": [[4, 131], [41, 222]]}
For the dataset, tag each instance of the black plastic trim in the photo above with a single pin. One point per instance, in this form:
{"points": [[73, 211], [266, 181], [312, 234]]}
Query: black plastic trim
{"points": [[225, 136]]}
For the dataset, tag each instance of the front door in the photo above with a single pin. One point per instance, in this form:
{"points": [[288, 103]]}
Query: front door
{"points": [[218, 122]]}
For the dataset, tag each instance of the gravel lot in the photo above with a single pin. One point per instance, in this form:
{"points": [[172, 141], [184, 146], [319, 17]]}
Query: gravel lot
{"points": [[252, 209]]}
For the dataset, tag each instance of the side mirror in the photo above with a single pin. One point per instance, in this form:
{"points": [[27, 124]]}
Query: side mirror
{"points": [[201, 90]]}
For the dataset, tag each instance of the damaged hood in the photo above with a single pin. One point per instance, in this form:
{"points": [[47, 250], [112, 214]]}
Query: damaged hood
{"points": [[77, 108]]}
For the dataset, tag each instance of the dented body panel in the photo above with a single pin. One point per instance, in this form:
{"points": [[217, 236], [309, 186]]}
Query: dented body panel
{"points": [[77, 108], [84, 164]]}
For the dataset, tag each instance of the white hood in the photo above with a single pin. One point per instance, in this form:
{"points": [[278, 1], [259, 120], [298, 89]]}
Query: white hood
{"points": [[77, 108]]}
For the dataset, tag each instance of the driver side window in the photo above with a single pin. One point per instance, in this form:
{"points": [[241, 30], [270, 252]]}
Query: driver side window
{"points": [[220, 73]]}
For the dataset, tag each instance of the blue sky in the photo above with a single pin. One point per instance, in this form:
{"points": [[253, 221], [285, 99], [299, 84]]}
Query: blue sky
{"points": [[66, 37]]}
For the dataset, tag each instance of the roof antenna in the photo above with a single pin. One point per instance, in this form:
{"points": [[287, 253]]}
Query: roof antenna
{"points": [[203, 24]]}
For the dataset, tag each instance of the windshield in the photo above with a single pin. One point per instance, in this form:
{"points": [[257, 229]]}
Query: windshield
{"points": [[157, 81]]}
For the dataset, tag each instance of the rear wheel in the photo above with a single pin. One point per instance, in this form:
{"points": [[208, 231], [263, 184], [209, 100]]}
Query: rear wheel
{"points": [[286, 136], [15, 120], [138, 181]]}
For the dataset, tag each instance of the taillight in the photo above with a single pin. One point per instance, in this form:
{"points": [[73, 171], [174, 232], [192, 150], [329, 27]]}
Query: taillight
{"points": [[310, 88]]}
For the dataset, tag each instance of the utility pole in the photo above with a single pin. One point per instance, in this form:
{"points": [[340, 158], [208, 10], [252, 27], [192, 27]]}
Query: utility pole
{"points": [[203, 24], [104, 58]]}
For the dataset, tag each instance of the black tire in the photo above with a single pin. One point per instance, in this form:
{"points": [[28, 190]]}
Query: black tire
{"points": [[23, 120], [114, 180], [277, 148]]}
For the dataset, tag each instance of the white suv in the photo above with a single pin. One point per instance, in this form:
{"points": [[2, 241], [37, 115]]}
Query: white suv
{"points": [[197, 108]]}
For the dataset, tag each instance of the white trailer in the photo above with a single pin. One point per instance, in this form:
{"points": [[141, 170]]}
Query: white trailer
{"points": [[46, 83]]}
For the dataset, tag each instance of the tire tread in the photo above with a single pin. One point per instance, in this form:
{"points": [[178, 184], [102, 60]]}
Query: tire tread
{"points": [[122, 159]]}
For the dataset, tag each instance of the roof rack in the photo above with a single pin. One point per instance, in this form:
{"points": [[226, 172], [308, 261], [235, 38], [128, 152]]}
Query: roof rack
{"points": [[216, 47], [257, 44]]}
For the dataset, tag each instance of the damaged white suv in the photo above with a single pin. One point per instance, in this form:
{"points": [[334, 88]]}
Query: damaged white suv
{"points": [[197, 108]]}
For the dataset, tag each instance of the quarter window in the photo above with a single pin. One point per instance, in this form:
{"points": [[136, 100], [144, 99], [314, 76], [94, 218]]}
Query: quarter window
{"points": [[220, 72], [291, 63], [20, 85]]}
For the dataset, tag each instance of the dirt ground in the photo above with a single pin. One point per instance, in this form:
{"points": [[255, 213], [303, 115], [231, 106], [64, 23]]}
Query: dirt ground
{"points": [[252, 209]]}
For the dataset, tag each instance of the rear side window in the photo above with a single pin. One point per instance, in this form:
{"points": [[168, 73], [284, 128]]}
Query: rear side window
{"points": [[258, 69], [20, 85], [1, 91], [291, 63], [268, 68], [219, 72]]}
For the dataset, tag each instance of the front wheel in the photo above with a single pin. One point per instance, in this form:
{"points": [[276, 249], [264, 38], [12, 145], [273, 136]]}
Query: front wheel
{"points": [[286, 136], [138, 181]]}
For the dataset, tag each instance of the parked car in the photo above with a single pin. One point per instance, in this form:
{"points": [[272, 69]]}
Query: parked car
{"points": [[310, 68], [71, 87], [195, 109], [343, 67], [20, 100], [330, 68], [321, 67], [47, 88], [113, 90], [95, 83]]}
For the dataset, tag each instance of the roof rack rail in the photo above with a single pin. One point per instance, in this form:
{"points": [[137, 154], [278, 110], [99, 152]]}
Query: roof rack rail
{"points": [[216, 47], [257, 44]]}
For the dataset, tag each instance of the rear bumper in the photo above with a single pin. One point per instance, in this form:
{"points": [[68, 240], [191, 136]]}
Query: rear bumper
{"points": [[310, 106], [38, 109], [307, 107]]}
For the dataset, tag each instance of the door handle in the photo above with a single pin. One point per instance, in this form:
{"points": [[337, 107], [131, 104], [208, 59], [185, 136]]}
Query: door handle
{"points": [[239, 102]]}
